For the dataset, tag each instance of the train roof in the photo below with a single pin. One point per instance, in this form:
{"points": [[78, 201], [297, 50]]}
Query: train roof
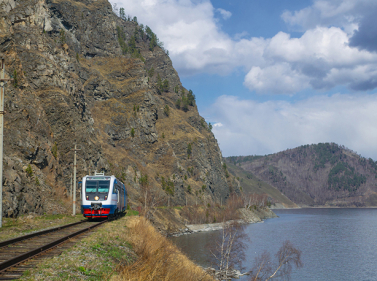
{"points": [[102, 176]]}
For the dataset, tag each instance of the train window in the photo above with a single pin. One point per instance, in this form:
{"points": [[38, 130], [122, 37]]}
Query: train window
{"points": [[91, 186], [103, 186]]}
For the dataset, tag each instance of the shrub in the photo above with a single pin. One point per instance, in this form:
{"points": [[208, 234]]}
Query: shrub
{"points": [[144, 180], [54, 150], [62, 36], [202, 122], [191, 98], [167, 110], [29, 171], [170, 187], [151, 72], [132, 132], [189, 150], [121, 39], [15, 80], [165, 86], [178, 103]]}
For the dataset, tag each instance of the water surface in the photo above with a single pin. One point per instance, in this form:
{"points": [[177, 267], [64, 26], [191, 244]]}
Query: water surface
{"points": [[336, 244]]}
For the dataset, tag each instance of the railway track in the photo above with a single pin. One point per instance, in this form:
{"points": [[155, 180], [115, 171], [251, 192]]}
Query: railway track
{"points": [[22, 253]]}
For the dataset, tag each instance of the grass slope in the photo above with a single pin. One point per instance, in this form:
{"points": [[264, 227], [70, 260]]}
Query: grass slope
{"points": [[125, 249]]}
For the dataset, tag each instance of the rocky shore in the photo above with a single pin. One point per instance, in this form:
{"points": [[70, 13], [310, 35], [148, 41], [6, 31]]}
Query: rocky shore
{"points": [[246, 215]]}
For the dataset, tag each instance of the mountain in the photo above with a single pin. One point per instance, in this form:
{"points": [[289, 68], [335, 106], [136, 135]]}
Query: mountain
{"points": [[324, 174], [248, 183], [83, 75]]}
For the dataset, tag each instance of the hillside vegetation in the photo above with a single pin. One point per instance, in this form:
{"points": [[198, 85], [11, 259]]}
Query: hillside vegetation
{"points": [[316, 175], [251, 184]]}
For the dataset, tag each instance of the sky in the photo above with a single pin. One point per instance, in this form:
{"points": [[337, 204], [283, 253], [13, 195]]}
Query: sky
{"points": [[274, 74]]}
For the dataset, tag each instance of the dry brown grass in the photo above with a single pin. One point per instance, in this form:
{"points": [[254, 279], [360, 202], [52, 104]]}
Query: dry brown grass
{"points": [[213, 213], [158, 258]]}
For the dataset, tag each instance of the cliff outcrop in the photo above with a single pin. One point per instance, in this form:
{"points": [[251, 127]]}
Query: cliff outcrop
{"points": [[83, 75]]}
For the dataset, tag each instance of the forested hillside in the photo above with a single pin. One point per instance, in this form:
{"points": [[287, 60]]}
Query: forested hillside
{"points": [[317, 174]]}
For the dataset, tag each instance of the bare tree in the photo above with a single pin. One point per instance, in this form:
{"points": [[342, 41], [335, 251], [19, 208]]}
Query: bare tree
{"points": [[228, 250], [150, 197], [287, 256]]}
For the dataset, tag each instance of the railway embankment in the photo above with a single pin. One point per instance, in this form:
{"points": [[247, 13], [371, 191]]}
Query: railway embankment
{"points": [[129, 248], [132, 248]]}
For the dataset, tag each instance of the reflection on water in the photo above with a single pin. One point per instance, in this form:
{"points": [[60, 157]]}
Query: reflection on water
{"points": [[336, 244]]}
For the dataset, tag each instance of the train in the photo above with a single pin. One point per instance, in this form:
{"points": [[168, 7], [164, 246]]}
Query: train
{"points": [[102, 196]]}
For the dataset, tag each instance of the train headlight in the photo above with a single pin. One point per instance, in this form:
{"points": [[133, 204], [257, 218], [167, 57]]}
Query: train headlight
{"points": [[96, 198], [87, 197], [105, 197]]}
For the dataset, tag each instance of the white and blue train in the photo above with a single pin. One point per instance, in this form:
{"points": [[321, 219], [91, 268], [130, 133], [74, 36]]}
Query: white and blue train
{"points": [[102, 196]]}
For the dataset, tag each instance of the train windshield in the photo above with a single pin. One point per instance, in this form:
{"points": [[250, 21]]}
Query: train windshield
{"points": [[101, 186]]}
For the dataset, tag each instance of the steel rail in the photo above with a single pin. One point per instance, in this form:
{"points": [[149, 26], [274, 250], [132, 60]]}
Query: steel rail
{"points": [[28, 236], [23, 257]]}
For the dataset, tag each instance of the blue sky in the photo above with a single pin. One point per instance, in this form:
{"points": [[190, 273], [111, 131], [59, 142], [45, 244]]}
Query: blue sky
{"points": [[274, 74]]}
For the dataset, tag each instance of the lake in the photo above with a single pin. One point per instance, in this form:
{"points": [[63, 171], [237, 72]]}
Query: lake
{"points": [[336, 244]]}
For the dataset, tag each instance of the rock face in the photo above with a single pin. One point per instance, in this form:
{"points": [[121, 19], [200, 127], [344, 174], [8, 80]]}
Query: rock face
{"points": [[317, 175], [84, 76]]}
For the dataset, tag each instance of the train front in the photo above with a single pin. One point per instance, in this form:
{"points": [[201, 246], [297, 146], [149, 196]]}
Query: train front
{"points": [[96, 202]]}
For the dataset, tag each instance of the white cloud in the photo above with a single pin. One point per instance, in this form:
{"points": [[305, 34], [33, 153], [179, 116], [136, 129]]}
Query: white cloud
{"points": [[239, 36], [320, 59], [251, 128], [342, 13], [224, 13], [277, 78]]}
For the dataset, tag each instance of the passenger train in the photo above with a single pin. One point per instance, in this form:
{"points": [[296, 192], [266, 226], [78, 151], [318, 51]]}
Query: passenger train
{"points": [[102, 196]]}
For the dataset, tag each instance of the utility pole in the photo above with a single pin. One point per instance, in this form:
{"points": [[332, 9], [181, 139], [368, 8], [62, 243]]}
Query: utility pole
{"points": [[2, 91], [70, 191], [74, 181]]}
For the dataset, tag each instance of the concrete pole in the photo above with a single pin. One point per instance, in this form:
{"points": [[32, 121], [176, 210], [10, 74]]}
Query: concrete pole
{"points": [[74, 184], [2, 92], [1, 138], [70, 191]]}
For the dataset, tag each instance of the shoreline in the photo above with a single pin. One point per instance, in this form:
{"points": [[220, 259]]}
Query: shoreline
{"points": [[247, 217], [326, 207]]}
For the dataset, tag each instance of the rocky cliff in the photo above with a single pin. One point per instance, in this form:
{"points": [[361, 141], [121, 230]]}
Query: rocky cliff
{"points": [[317, 175], [82, 75]]}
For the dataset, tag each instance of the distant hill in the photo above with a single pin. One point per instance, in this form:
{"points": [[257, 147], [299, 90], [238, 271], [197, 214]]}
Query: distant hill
{"points": [[249, 183], [324, 174]]}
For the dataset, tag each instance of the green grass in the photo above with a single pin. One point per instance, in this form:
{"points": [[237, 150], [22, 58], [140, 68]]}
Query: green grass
{"points": [[95, 257], [132, 213], [14, 227]]}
